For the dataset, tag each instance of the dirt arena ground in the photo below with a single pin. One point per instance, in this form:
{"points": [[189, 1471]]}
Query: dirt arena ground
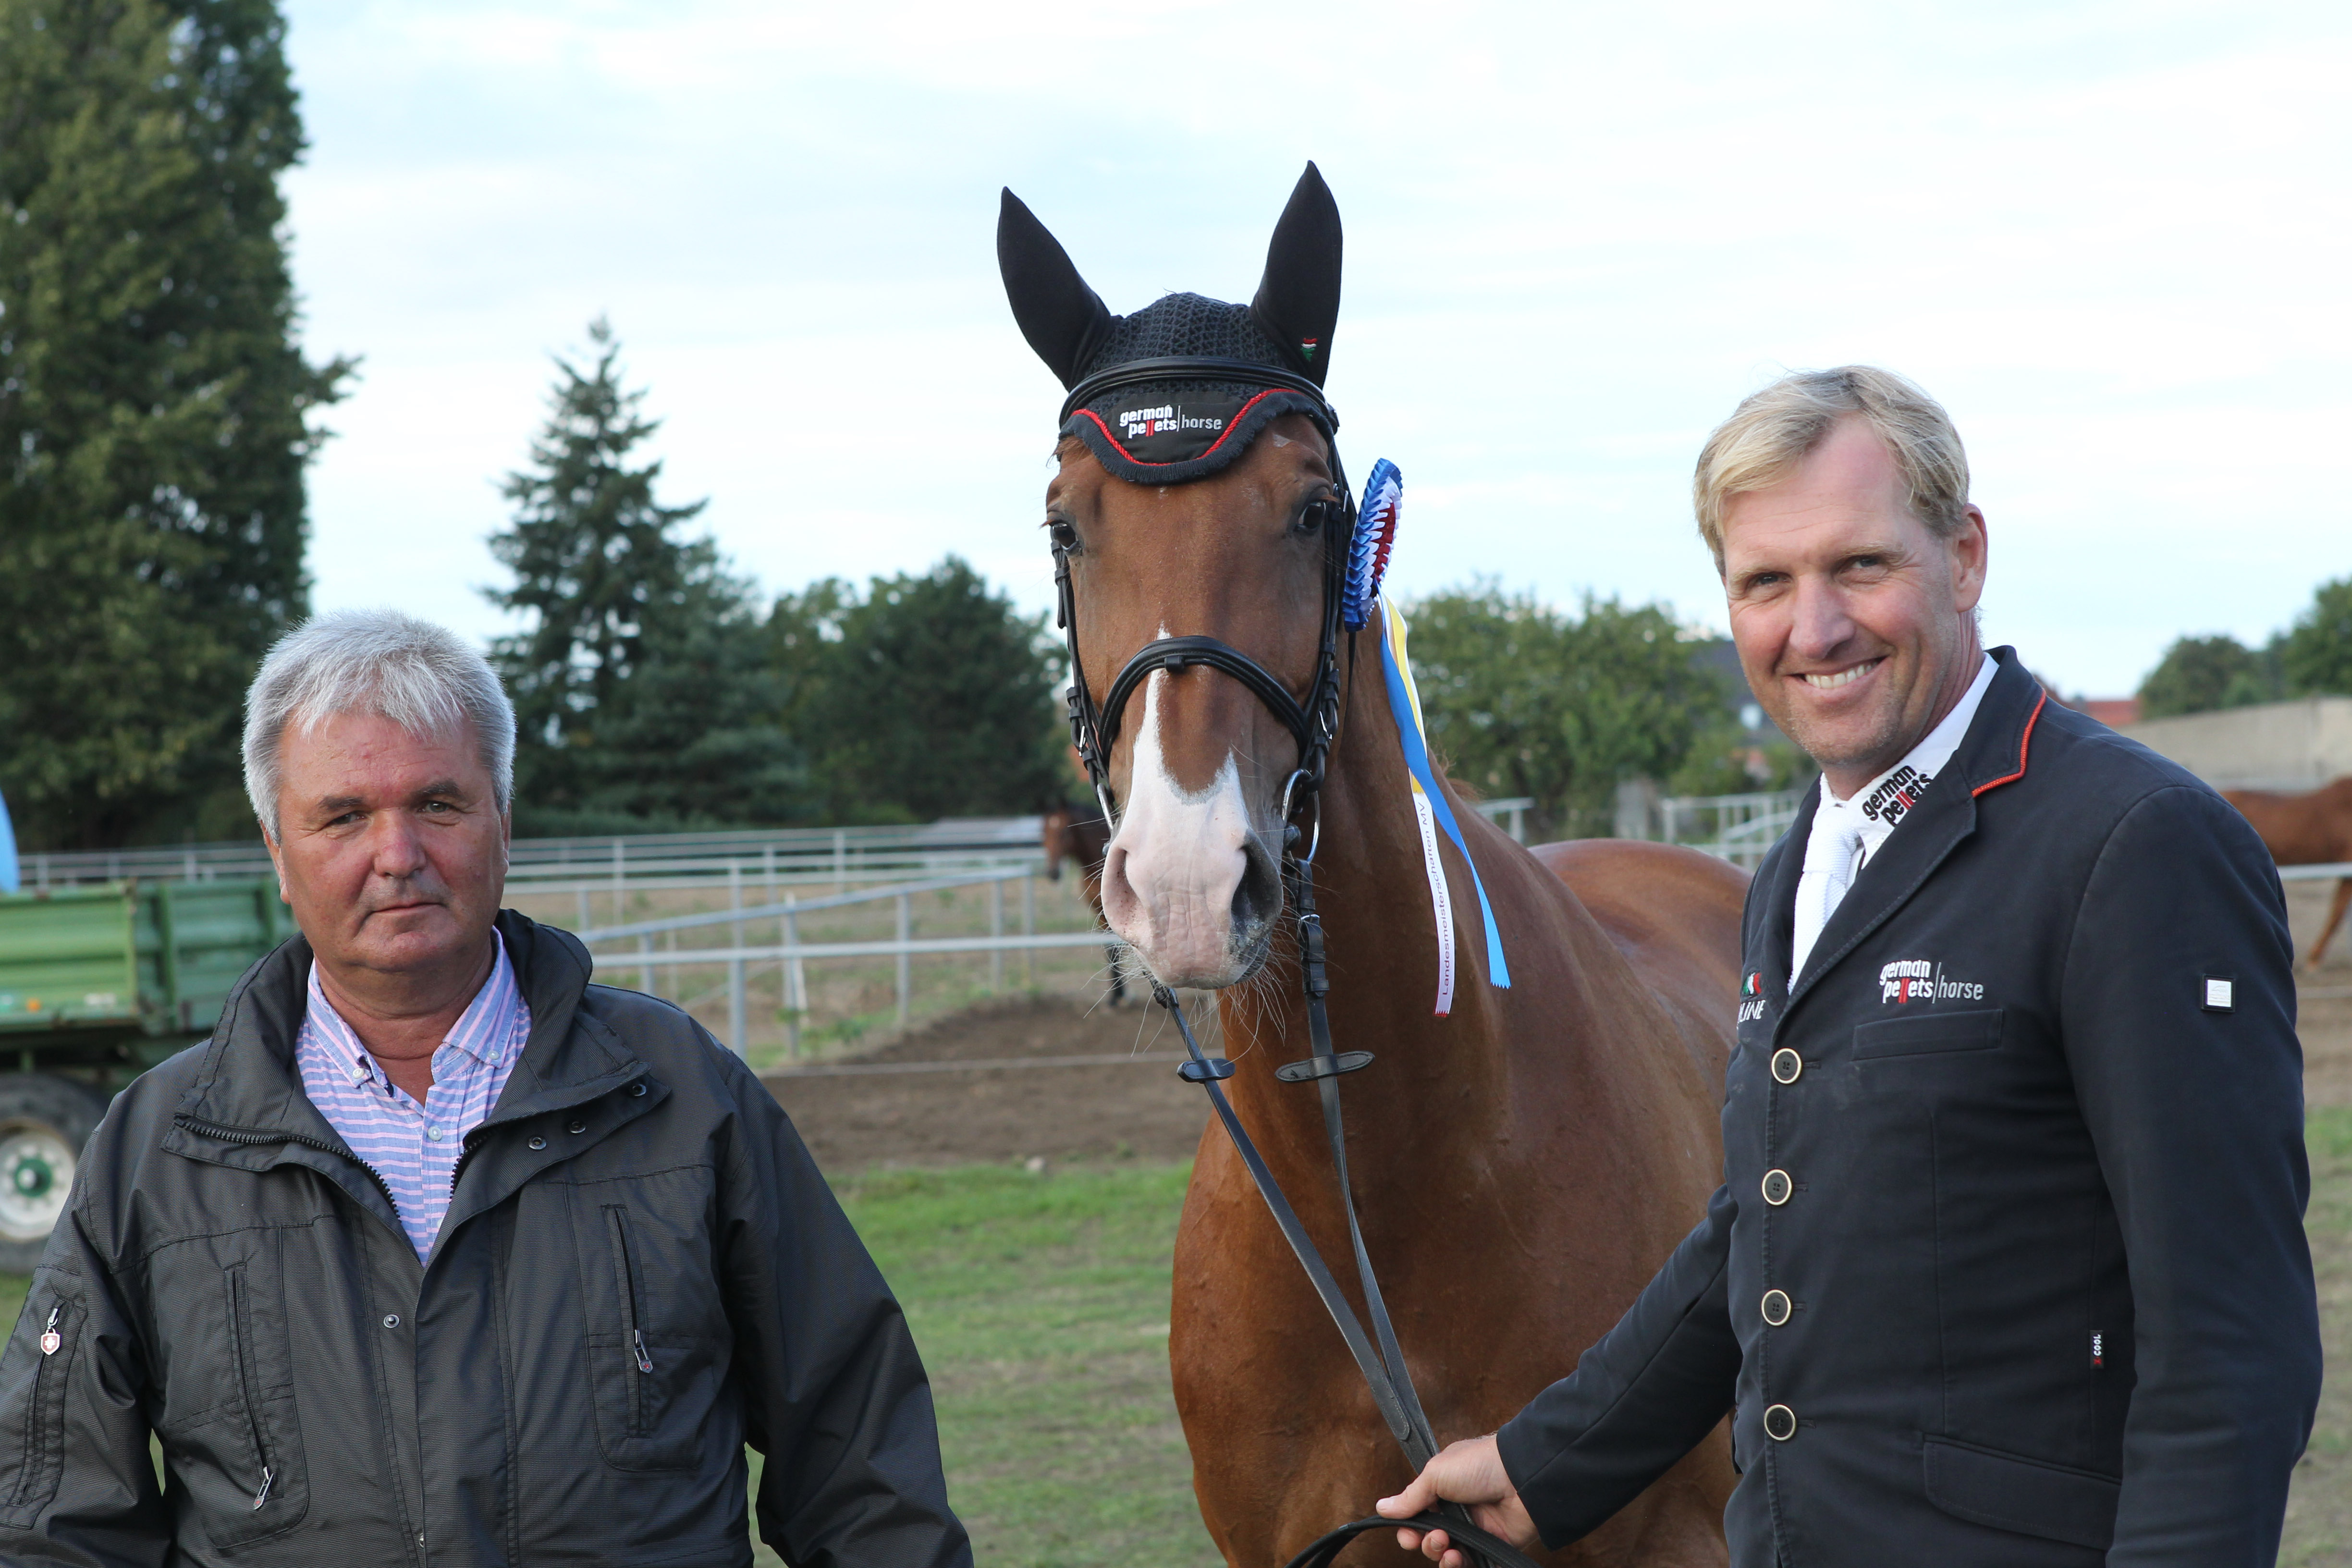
{"points": [[1100, 1082], [1074, 1082]]}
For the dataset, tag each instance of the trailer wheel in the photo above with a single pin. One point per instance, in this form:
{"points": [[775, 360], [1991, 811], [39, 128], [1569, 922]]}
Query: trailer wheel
{"points": [[44, 1122]]}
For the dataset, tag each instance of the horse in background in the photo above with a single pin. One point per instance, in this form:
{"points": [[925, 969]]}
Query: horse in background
{"points": [[1082, 838], [2314, 828]]}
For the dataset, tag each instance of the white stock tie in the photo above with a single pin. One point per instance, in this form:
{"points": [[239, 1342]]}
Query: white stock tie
{"points": [[1821, 888]]}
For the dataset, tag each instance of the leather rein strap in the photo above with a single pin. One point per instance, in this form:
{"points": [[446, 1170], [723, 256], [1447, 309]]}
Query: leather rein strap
{"points": [[1314, 725]]}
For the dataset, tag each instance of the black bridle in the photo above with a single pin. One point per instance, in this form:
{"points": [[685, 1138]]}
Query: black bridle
{"points": [[1314, 725]]}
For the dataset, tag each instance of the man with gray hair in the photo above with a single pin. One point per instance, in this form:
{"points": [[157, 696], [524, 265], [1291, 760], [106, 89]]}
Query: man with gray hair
{"points": [[436, 1253], [2008, 1267]]}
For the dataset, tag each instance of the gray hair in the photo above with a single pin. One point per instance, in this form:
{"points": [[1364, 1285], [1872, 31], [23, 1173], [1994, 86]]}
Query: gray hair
{"points": [[1773, 430], [421, 676]]}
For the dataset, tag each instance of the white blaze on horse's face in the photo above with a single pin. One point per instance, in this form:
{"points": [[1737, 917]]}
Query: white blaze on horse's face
{"points": [[1175, 881]]}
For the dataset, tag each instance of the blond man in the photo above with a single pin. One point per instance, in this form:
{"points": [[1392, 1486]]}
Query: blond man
{"points": [[2008, 1266]]}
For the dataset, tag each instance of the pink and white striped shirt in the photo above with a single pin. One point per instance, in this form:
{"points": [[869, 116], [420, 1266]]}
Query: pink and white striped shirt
{"points": [[415, 1148]]}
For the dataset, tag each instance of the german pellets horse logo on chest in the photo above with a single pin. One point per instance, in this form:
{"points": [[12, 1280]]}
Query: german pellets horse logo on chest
{"points": [[1923, 980]]}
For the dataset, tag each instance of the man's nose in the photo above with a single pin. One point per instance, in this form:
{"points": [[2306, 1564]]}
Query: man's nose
{"points": [[1821, 623], [395, 850]]}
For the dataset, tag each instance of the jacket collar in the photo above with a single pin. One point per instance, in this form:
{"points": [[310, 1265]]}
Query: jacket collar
{"points": [[248, 1080], [1994, 752]]}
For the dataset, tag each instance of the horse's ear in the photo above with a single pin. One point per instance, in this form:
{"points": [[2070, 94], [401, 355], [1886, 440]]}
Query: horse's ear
{"points": [[1062, 318], [1298, 300]]}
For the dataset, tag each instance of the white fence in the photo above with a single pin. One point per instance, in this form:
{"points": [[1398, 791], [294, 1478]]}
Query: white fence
{"points": [[773, 856]]}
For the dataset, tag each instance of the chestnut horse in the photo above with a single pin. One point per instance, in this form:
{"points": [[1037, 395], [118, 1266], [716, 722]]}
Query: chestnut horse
{"points": [[1081, 838], [2310, 829], [1522, 1166]]}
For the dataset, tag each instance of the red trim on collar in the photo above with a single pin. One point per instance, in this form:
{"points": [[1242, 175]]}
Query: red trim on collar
{"points": [[1211, 446], [2023, 742]]}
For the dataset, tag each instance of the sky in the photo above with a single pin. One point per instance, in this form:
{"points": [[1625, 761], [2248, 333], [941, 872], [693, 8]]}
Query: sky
{"points": [[2112, 238]]}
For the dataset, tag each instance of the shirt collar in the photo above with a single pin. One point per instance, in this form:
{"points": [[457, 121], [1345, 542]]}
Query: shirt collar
{"points": [[484, 1031], [1874, 810]]}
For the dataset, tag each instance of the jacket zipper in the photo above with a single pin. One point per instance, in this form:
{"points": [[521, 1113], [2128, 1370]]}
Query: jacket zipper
{"points": [[242, 1330], [616, 1217], [241, 1135], [35, 1438]]}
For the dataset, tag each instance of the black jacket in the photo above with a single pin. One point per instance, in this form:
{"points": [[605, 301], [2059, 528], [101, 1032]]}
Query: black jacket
{"points": [[229, 1276], [2048, 1302]]}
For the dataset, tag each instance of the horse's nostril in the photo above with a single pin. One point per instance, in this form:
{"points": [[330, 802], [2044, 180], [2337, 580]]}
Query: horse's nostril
{"points": [[1257, 897]]}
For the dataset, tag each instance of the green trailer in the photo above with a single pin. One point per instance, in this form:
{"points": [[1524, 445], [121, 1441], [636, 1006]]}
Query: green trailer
{"points": [[99, 983]]}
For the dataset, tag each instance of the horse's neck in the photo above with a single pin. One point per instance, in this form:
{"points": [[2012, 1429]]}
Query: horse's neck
{"points": [[1372, 892]]}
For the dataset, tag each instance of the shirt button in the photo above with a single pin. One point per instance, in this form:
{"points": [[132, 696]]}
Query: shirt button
{"points": [[1780, 1423], [1776, 1307], [1777, 1187], [358, 1075], [1787, 1065], [577, 1126], [538, 1143], [392, 1320], [434, 1133]]}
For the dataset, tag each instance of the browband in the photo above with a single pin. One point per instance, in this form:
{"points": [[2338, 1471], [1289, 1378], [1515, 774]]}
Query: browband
{"points": [[1194, 367]]}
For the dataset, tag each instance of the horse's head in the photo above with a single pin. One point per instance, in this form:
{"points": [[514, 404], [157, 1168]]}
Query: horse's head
{"points": [[1055, 836], [1194, 502]]}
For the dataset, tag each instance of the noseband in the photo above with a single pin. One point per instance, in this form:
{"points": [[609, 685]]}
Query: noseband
{"points": [[1313, 723]]}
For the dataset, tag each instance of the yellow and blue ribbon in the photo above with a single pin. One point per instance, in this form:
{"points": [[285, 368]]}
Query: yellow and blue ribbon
{"points": [[1430, 803]]}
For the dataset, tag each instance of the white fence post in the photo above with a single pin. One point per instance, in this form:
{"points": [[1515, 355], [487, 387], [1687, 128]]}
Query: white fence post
{"points": [[1029, 927], [905, 973], [795, 981], [996, 927], [735, 1004]]}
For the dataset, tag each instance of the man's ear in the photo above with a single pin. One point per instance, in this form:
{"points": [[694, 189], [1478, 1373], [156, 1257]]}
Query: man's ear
{"points": [[1065, 321], [1969, 551], [277, 862], [1297, 301]]}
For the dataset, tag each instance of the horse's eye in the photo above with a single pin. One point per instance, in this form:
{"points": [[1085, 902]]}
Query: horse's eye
{"points": [[1311, 518], [1063, 536]]}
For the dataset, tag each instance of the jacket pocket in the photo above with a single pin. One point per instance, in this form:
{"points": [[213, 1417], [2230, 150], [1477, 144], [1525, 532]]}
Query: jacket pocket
{"points": [[2029, 1497], [39, 1439], [240, 1456], [654, 1380], [1977, 1029]]}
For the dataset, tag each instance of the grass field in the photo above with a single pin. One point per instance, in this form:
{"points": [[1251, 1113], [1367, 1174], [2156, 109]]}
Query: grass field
{"points": [[1041, 1305]]}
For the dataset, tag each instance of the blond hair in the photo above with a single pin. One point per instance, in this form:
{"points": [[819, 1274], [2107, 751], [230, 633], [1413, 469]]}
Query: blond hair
{"points": [[1773, 430]]}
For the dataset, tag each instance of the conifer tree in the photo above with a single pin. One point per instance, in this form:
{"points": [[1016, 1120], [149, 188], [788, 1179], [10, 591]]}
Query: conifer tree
{"points": [[153, 407], [643, 694]]}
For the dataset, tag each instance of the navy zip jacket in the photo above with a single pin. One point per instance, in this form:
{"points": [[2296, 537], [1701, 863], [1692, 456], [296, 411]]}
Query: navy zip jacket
{"points": [[2008, 1266]]}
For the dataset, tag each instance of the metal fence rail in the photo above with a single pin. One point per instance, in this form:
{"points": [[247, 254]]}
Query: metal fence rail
{"points": [[840, 853]]}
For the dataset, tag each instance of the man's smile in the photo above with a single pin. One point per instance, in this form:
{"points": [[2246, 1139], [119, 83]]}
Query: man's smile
{"points": [[1832, 679]]}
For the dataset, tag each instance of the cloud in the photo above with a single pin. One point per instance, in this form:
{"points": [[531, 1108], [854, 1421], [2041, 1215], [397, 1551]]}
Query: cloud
{"points": [[2111, 237]]}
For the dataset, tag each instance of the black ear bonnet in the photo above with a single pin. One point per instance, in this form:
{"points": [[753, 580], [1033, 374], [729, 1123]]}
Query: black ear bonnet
{"points": [[1150, 420]]}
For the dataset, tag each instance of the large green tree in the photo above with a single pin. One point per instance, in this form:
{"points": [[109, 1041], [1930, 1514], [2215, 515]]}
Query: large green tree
{"points": [[1523, 699], [645, 695], [2315, 654], [153, 407], [2197, 675], [925, 697]]}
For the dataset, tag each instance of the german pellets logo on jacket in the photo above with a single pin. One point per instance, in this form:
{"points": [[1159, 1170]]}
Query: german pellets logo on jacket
{"points": [[1892, 801], [1920, 980]]}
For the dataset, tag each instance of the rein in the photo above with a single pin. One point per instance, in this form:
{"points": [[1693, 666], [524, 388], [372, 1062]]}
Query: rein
{"points": [[1314, 725]]}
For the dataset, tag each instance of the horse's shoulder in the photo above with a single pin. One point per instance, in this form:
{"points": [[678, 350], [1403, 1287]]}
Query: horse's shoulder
{"points": [[1672, 912], [1648, 880]]}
